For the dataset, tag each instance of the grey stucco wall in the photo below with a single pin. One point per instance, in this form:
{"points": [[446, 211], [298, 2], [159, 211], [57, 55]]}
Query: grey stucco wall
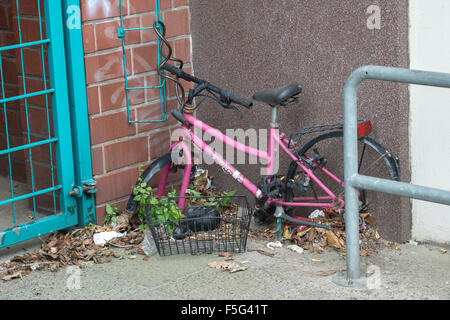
{"points": [[252, 45]]}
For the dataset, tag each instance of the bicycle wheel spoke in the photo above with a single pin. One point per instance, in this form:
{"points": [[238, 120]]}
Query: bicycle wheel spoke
{"points": [[331, 149]]}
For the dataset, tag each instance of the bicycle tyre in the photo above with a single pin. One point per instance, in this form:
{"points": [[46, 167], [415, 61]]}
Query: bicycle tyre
{"points": [[390, 169], [147, 176]]}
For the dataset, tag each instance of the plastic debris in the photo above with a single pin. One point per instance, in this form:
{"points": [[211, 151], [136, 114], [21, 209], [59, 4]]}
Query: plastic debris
{"points": [[273, 245], [203, 174], [148, 244], [296, 248], [316, 213], [102, 238], [34, 266], [414, 243], [443, 250]]}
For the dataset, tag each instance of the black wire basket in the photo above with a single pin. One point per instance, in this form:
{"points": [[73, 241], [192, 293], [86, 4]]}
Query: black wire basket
{"points": [[206, 225]]}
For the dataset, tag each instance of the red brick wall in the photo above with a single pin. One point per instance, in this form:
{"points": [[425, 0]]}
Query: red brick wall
{"points": [[7, 37], [32, 71], [118, 147]]}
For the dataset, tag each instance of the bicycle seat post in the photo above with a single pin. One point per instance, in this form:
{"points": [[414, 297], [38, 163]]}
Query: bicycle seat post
{"points": [[274, 119]]}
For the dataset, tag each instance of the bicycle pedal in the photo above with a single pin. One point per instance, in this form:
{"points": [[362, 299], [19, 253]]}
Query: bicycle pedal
{"points": [[298, 185]]}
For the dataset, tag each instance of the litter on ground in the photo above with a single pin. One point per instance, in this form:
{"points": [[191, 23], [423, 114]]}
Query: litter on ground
{"points": [[102, 238], [273, 245], [295, 248], [228, 266], [317, 240], [81, 247]]}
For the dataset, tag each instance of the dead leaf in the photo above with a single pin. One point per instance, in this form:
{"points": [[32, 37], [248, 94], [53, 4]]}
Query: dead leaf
{"points": [[236, 268], [332, 239], [225, 254], [54, 267], [368, 218], [326, 273], [104, 259], [123, 219], [262, 251], [365, 253], [228, 266], [13, 276]]}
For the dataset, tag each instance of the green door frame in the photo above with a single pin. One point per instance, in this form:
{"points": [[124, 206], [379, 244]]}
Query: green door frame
{"points": [[84, 188], [70, 122]]}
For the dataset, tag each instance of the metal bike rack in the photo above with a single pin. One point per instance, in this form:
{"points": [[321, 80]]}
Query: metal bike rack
{"points": [[355, 181]]}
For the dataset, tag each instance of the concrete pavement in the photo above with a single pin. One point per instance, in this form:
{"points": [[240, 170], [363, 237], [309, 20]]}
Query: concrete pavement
{"points": [[413, 272]]}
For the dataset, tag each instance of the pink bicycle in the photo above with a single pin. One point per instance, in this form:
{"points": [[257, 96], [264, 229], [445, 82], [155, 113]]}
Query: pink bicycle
{"points": [[314, 178]]}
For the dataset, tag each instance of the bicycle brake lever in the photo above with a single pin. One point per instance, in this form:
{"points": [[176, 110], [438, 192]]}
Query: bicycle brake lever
{"points": [[237, 111], [230, 106]]}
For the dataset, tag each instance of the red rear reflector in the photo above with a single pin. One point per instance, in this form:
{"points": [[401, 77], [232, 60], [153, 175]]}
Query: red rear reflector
{"points": [[364, 129]]}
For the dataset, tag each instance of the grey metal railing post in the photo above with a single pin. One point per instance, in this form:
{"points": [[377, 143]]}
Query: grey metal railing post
{"points": [[353, 180]]}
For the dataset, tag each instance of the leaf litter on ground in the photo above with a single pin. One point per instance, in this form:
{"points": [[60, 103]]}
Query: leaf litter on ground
{"points": [[75, 248], [317, 240]]}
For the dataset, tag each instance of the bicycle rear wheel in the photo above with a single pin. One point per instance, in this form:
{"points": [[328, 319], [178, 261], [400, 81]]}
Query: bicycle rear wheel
{"points": [[327, 149]]}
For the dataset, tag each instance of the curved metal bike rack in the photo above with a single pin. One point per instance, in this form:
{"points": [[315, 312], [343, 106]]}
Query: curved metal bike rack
{"points": [[355, 181]]}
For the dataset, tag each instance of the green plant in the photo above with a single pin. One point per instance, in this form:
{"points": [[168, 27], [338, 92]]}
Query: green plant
{"points": [[225, 202], [161, 209], [111, 213], [219, 202]]}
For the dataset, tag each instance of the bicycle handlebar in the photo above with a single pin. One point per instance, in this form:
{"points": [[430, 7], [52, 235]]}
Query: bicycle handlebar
{"points": [[180, 73], [227, 95]]}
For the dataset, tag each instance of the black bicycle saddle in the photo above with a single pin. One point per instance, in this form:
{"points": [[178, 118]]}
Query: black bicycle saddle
{"points": [[277, 96]]}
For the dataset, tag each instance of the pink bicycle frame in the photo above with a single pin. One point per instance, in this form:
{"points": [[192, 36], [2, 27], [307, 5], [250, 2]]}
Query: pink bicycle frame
{"points": [[275, 140]]}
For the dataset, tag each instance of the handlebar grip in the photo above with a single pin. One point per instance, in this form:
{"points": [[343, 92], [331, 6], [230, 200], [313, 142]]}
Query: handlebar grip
{"points": [[172, 69], [239, 100], [180, 73], [225, 93]]}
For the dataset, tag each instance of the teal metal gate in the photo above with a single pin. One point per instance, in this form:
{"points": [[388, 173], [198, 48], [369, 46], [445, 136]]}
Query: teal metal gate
{"points": [[66, 138]]}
